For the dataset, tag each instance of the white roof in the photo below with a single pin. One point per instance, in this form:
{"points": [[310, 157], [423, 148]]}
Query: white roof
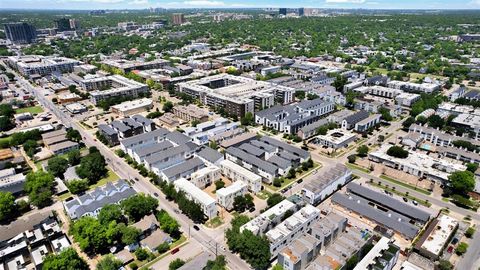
{"points": [[197, 194], [232, 189], [134, 104], [240, 170], [440, 235], [375, 252]]}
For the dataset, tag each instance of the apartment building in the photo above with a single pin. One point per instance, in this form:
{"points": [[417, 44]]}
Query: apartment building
{"points": [[287, 231], [335, 138], [236, 173], [270, 218], [437, 236], [226, 195], [325, 183], [205, 176], [102, 88], [181, 170], [414, 87], [12, 182], [290, 118], [190, 113], [30, 65], [128, 108], [198, 196], [383, 256], [350, 121], [368, 123], [128, 65]]}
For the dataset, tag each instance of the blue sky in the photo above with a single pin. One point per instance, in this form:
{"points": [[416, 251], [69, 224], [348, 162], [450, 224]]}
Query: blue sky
{"points": [[136, 4]]}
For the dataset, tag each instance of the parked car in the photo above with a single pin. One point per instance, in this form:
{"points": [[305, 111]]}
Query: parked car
{"points": [[415, 202], [196, 227], [450, 249], [175, 250], [405, 199]]}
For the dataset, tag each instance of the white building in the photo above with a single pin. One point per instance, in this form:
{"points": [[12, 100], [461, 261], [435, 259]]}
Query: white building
{"points": [[205, 176], [336, 138], [325, 183], [132, 107], [407, 99], [287, 231], [41, 65], [238, 173], [414, 87], [433, 244], [112, 86], [198, 196], [366, 124], [269, 218], [383, 256], [226, 195]]}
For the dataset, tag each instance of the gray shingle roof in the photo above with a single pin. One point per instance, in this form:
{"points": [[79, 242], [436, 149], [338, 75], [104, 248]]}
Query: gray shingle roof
{"points": [[279, 162], [107, 129], [155, 134], [356, 117], [131, 123], [120, 126], [150, 149], [178, 138], [253, 150], [167, 153], [210, 154], [186, 166], [286, 147], [142, 120], [259, 163]]}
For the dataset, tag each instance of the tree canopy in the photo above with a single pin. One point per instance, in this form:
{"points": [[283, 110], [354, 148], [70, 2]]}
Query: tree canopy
{"points": [[66, 260]]}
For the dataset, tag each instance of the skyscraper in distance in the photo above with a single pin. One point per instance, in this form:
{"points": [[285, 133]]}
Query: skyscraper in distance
{"points": [[178, 18], [20, 32], [282, 11]]}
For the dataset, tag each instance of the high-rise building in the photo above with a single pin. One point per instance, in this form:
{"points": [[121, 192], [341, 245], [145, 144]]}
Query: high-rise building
{"points": [[74, 24], [62, 24], [301, 12], [178, 18], [20, 33], [282, 11]]}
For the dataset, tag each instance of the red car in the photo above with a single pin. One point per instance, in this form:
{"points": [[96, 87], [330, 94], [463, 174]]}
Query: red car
{"points": [[450, 249], [175, 250]]}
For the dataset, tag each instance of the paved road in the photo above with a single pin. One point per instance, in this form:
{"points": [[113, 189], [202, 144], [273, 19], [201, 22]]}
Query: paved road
{"points": [[206, 237]]}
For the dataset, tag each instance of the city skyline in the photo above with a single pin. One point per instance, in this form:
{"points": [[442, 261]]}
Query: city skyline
{"points": [[141, 4]]}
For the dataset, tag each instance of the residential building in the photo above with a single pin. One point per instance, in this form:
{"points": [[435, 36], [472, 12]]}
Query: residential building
{"points": [[335, 138], [310, 130], [178, 18], [383, 256], [325, 183], [290, 118], [205, 176], [235, 94], [198, 196], [436, 237], [298, 223], [68, 98], [236, 173], [181, 170], [270, 218], [169, 119], [368, 123], [203, 131], [407, 99], [350, 121], [166, 158], [76, 108], [30, 65], [130, 65], [12, 182], [190, 113], [238, 139], [128, 145], [459, 154], [102, 88], [6, 156], [142, 153], [128, 108], [20, 33], [92, 202], [226, 195], [414, 87], [57, 142], [210, 156], [437, 137]]}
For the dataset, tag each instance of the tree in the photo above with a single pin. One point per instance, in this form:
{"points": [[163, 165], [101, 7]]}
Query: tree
{"points": [[167, 223], [470, 232], [435, 121], [138, 206], [248, 119], [30, 147], [66, 260], [352, 158], [385, 114], [57, 166], [39, 187], [322, 130], [167, 106], [239, 204], [109, 262], [130, 235], [89, 234], [462, 182], [397, 151], [472, 167], [76, 186], [277, 267], [163, 247], [408, 122], [6, 123], [219, 184], [362, 150], [141, 254], [444, 265], [274, 199], [461, 248], [7, 206], [339, 83], [249, 204], [74, 157], [218, 264], [175, 264], [73, 135], [92, 167], [109, 213]]}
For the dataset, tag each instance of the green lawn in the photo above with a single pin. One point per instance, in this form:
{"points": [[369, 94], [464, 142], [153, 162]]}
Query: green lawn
{"points": [[112, 176], [214, 222], [5, 140], [264, 195], [356, 167], [398, 182], [32, 110]]}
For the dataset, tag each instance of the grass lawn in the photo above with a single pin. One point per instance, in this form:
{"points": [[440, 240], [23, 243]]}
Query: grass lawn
{"points": [[398, 182], [410, 197], [298, 175], [5, 140], [214, 222], [112, 176], [264, 195], [356, 167], [65, 196], [32, 110]]}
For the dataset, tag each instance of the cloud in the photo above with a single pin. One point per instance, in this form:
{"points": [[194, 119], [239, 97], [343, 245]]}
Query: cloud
{"points": [[93, 1], [345, 1], [139, 2]]}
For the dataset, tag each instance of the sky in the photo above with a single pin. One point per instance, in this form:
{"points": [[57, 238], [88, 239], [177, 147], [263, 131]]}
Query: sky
{"points": [[140, 4]]}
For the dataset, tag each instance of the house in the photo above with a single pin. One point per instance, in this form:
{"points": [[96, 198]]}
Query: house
{"points": [[12, 182], [270, 218], [236, 172], [383, 256], [110, 134], [181, 170]]}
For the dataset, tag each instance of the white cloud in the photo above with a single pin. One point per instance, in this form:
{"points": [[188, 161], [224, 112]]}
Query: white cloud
{"points": [[346, 1], [93, 1], [139, 2], [475, 2]]}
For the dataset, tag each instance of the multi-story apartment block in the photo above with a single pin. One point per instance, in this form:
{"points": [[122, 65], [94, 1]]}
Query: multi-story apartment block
{"points": [[414, 87], [205, 176], [190, 113], [113, 86], [383, 256], [20, 33], [270, 218], [325, 184], [41, 65], [239, 173], [226, 195], [198, 196]]}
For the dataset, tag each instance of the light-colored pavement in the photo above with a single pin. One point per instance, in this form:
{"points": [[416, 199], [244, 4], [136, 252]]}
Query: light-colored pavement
{"points": [[186, 253], [207, 238]]}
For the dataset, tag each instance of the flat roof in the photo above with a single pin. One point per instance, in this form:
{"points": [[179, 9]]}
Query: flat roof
{"points": [[198, 194]]}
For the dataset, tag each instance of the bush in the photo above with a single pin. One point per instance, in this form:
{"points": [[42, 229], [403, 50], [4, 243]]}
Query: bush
{"points": [[277, 182], [352, 158], [133, 266], [461, 248], [141, 254], [175, 264], [470, 232], [219, 184], [163, 247], [397, 151], [77, 186]]}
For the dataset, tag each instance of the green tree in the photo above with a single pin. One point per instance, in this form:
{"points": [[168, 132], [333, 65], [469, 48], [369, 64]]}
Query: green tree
{"points": [[39, 187], [408, 122], [472, 167], [462, 182], [219, 184], [57, 166], [218, 264], [362, 150], [385, 114], [30, 147], [89, 234], [74, 135], [74, 157], [6, 123], [65, 260], [109, 262], [163, 247], [138, 206], [175, 264], [92, 167], [444, 265], [470, 232], [130, 235], [109, 213], [141, 254], [248, 119], [7, 206], [76, 186], [274, 199], [239, 204], [339, 83], [352, 158], [167, 223], [397, 151], [167, 106], [461, 248]]}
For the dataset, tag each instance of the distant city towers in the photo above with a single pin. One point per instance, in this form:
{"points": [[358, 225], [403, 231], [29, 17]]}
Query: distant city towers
{"points": [[178, 18]]}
